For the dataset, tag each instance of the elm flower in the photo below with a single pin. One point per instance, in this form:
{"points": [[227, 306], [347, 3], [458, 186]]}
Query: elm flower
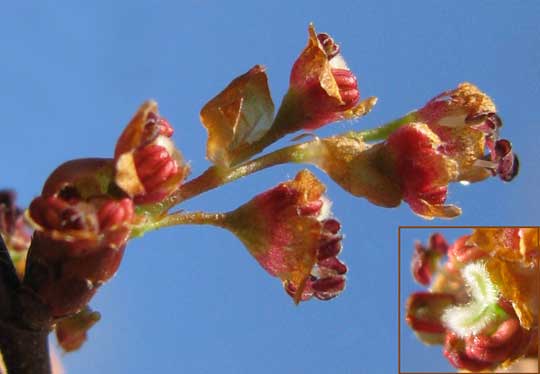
{"points": [[466, 121], [482, 305], [421, 170], [322, 88], [148, 165], [291, 233], [408, 167], [81, 227]]}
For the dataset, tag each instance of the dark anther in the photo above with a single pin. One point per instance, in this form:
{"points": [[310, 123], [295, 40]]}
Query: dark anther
{"points": [[330, 46]]}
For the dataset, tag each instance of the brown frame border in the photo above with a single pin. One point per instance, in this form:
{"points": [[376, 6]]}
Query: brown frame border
{"points": [[399, 288]]}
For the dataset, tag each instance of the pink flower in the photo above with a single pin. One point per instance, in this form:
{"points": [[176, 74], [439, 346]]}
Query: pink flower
{"points": [[466, 121], [322, 88], [290, 232], [422, 170], [148, 165]]}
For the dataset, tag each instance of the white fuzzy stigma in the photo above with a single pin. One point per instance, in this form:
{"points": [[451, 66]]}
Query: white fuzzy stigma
{"points": [[326, 209], [338, 62], [470, 319]]}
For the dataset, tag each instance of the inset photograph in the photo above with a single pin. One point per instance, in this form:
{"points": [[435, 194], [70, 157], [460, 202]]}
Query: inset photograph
{"points": [[469, 299]]}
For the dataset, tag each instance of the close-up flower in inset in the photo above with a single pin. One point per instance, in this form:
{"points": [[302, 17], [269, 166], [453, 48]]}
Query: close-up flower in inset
{"points": [[482, 303]]}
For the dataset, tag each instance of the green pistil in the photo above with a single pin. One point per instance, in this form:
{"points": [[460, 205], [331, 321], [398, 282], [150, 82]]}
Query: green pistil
{"points": [[469, 319]]}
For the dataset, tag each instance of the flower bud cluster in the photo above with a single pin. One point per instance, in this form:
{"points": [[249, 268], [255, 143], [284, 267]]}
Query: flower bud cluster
{"points": [[85, 214]]}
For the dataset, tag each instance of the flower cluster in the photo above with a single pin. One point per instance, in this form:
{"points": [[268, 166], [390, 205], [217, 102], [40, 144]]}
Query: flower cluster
{"points": [[90, 208], [482, 305], [85, 214]]}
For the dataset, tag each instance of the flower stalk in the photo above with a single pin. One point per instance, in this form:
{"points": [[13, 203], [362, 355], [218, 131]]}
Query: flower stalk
{"points": [[216, 176]]}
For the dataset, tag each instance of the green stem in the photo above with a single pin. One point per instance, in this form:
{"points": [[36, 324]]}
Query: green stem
{"points": [[382, 132], [216, 176], [180, 218]]}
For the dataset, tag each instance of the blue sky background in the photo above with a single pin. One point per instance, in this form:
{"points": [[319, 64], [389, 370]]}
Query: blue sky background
{"points": [[191, 299]]}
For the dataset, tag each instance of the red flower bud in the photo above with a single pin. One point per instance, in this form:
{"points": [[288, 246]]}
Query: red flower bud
{"points": [[148, 166], [422, 171], [288, 231], [322, 88], [78, 245]]}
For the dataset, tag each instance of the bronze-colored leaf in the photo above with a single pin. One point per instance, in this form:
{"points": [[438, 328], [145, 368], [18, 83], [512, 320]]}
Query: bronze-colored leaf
{"points": [[238, 116]]}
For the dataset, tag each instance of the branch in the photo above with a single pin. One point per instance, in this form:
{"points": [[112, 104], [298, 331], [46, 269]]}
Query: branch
{"points": [[25, 349]]}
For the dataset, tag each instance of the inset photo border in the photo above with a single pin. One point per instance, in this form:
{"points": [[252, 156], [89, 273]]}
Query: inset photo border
{"points": [[454, 287]]}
